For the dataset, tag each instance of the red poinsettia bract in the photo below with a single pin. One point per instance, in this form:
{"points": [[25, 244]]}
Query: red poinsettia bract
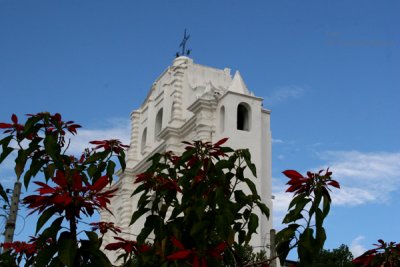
{"points": [[12, 127], [128, 246], [158, 182], [19, 247], [109, 145], [385, 254], [299, 184], [104, 227], [197, 257], [71, 196]]}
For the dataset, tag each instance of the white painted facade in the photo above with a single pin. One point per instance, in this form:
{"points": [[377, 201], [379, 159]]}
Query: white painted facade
{"points": [[195, 102]]}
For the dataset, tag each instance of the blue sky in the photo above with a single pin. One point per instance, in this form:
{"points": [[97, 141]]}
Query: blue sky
{"points": [[328, 70]]}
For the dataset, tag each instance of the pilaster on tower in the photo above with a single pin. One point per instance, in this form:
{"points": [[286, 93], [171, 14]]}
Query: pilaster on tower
{"points": [[178, 69], [134, 142]]}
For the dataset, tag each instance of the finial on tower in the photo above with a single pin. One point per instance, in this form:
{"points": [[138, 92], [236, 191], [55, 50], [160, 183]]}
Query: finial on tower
{"points": [[185, 52]]}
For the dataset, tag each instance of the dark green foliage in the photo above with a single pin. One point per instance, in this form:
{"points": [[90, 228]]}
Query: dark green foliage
{"points": [[338, 257], [197, 211]]}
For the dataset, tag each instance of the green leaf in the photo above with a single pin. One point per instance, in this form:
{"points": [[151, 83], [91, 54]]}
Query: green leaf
{"points": [[247, 158], [319, 219], [326, 205], [224, 164], [241, 197], [91, 253], [92, 170], [225, 222], [252, 226], [316, 202], [287, 233], [220, 198], [29, 125], [121, 159], [3, 194], [226, 149], [51, 146], [187, 154], [291, 216], [283, 249], [146, 231], [51, 232], [252, 186], [45, 255], [6, 150], [241, 237], [296, 199], [264, 209], [49, 171], [320, 237], [20, 162], [92, 236], [152, 223], [198, 228], [307, 247], [66, 249], [139, 189], [46, 215], [27, 178], [137, 214], [110, 168], [295, 214]]}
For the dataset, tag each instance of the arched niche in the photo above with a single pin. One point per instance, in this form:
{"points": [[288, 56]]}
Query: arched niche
{"points": [[243, 121], [144, 140], [222, 119], [158, 123]]}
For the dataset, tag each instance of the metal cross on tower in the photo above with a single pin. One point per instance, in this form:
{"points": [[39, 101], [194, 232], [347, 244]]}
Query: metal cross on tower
{"points": [[183, 45]]}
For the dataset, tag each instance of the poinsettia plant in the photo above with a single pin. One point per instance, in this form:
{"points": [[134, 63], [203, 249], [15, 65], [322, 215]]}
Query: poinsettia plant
{"points": [[67, 189], [386, 254], [199, 207], [306, 214]]}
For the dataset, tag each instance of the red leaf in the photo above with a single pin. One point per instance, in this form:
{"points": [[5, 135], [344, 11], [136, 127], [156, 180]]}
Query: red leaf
{"points": [[114, 246], [204, 262], [187, 143], [14, 118], [76, 182], [220, 247], [334, 184], [5, 125], [142, 177], [60, 179], [292, 174], [293, 188], [196, 262], [177, 243], [97, 142], [57, 117], [180, 255], [144, 248], [220, 142], [46, 189], [100, 183]]}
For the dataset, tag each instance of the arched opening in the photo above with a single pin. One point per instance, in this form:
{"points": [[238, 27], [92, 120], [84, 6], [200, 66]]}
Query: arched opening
{"points": [[144, 140], [243, 117], [222, 119], [158, 126]]}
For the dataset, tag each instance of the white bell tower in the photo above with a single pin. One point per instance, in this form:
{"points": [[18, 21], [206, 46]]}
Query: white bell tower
{"points": [[188, 102]]}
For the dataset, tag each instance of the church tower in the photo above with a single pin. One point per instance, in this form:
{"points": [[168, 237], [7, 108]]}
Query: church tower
{"points": [[188, 102]]}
